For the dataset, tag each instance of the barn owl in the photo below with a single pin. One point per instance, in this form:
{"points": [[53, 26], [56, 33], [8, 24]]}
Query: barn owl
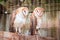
{"points": [[19, 19], [38, 13]]}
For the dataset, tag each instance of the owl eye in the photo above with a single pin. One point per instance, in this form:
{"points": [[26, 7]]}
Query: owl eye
{"points": [[37, 10], [24, 11]]}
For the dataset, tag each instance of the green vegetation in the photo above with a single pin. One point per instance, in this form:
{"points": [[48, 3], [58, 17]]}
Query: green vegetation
{"points": [[1, 0]]}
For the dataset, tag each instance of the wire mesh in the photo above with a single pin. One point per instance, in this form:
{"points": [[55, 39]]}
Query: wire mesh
{"points": [[51, 18]]}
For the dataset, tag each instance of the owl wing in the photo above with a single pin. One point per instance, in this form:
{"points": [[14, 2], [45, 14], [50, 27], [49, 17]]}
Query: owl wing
{"points": [[12, 18]]}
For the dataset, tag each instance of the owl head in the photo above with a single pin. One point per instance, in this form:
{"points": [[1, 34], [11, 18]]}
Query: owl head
{"points": [[23, 10], [38, 12]]}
